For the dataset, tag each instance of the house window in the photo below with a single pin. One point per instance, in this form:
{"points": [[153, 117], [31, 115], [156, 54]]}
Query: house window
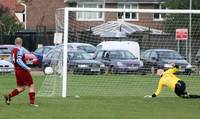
{"points": [[90, 15], [128, 15], [158, 16]]}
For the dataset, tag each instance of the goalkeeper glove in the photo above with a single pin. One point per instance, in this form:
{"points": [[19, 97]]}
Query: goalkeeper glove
{"points": [[150, 96]]}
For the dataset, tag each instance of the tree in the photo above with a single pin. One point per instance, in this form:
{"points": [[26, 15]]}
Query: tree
{"points": [[8, 23]]}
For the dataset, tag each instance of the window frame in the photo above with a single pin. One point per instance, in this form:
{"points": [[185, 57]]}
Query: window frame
{"points": [[160, 15], [83, 13], [124, 13]]}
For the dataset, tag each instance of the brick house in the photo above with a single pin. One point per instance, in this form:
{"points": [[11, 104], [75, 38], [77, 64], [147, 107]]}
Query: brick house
{"points": [[82, 21], [137, 18], [41, 13], [40, 20]]}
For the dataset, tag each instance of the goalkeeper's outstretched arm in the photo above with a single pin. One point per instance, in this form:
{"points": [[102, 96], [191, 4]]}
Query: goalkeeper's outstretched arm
{"points": [[158, 91]]}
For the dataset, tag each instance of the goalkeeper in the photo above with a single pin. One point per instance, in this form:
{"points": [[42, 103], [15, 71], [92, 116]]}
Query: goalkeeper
{"points": [[169, 79]]}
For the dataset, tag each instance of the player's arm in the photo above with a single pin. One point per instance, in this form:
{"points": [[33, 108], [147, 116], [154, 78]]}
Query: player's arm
{"points": [[19, 59], [158, 91]]}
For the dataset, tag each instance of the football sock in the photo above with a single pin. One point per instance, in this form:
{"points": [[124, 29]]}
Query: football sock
{"points": [[32, 97], [14, 93]]}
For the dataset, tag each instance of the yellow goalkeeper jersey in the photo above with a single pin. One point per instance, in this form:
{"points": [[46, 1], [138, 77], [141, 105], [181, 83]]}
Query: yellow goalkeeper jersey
{"points": [[168, 79]]}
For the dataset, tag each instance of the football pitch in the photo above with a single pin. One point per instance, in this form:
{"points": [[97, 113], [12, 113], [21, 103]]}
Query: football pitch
{"points": [[131, 105]]}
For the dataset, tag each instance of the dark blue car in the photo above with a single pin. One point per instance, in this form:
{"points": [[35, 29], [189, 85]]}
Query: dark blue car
{"points": [[78, 62], [154, 58]]}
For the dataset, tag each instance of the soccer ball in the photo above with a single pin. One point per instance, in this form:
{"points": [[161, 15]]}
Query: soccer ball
{"points": [[48, 70]]}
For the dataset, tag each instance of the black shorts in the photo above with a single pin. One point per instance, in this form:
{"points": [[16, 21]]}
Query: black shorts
{"points": [[180, 88]]}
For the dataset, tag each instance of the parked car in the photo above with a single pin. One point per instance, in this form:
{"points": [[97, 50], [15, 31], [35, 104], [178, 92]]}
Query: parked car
{"points": [[78, 62], [41, 52], [6, 66], [154, 58], [197, 61], [90, 49], [118, 61], [5, 53], [131, 46], [82, 62], [30, 58]]}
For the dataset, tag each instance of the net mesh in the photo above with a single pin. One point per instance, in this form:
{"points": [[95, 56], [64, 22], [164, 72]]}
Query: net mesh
{"points": [[121, 75]]}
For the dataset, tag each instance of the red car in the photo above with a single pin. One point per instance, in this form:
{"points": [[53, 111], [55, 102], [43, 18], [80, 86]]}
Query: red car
{"points": [[5, 52]]}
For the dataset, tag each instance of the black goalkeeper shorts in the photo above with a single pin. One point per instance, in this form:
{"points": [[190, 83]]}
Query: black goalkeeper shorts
{"points": [[180, 88]]}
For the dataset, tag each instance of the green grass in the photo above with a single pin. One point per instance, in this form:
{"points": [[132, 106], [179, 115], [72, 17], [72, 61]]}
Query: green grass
{"points": [[108, 97]]}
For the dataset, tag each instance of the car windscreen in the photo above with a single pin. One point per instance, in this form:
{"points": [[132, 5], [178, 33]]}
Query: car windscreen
{"points": [[88, 49], [169, 55], [79, 56], [4, 51], [121, 55], [10, 49]]}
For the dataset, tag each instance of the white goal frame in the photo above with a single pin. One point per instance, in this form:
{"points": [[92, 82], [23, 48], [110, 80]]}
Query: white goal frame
{"points": [[66, 24]]}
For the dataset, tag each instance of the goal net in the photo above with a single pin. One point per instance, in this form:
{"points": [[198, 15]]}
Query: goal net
{"points": [[115, 52]]}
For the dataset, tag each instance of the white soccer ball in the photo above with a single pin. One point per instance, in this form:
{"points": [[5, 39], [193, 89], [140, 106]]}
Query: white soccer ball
{"points": [[48, 70]]}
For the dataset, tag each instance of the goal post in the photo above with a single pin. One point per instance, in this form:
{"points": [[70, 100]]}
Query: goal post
{"points": [[66, 27], [95, 25]]}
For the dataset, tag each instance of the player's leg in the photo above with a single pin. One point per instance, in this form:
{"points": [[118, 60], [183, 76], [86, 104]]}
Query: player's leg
{"points": [[27, 79], [32, 95], [180, 89], [13, 93], [193, 96], [20, 86]]}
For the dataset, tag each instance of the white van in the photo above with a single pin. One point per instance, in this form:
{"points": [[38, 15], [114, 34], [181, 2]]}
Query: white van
{"points": [[131, 46]]}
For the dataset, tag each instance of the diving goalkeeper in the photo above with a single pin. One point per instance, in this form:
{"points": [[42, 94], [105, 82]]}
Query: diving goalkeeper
{"points": [[169, 79]]}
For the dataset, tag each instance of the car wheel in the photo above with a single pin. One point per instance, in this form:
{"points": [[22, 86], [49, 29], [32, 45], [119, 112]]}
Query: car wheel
{"points": [[142, 71], [114, 71], [71, 70], [102, 72], [188, 72]]}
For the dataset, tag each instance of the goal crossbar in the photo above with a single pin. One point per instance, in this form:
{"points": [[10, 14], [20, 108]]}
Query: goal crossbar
{"points": [[171, 11]]}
